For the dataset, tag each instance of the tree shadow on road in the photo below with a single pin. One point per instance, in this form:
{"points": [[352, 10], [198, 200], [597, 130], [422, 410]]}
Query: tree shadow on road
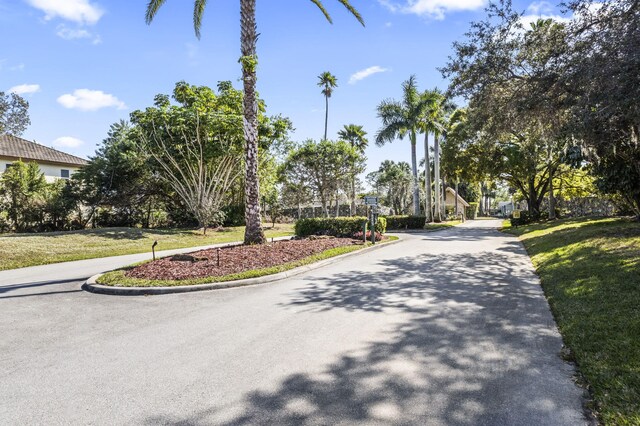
{"points": [[475, 344]]}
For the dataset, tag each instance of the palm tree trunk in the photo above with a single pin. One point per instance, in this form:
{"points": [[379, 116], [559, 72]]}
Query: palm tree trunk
{"points": [[253, 233], [436, 172], [427, 180], [326, 115], [456, 199], [352, 209], [414, 166]]}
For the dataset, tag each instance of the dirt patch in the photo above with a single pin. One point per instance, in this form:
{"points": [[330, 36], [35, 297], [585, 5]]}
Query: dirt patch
{"points": [[233, 260]]}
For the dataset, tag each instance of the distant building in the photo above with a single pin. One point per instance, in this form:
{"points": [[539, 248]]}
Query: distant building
{"points": [[450, 201], [506, 208], [53, 164]]}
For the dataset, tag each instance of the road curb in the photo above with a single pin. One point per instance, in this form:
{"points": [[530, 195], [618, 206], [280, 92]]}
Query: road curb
{"points": [[93, 287]]}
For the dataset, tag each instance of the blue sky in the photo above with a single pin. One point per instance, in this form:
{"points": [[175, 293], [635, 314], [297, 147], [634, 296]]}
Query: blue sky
{"points": [[84, 64]]}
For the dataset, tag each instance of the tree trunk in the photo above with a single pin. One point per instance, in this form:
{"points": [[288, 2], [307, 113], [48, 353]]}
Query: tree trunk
{"points": [[253, 233], [534, 205], [428, 211], [456, 199], [326, 115], [337, 203], [443, 206], [352, 208], [436, 172], [552, 198], [414, 167]]}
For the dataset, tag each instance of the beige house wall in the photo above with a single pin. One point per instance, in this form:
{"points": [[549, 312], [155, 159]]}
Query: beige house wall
{"points": [[52, 172]]}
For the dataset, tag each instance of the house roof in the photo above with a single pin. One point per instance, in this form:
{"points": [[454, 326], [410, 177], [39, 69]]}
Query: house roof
{"points": [[18, 148], [460, 199]]}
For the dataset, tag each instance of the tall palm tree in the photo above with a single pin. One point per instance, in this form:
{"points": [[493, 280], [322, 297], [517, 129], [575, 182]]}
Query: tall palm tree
{"points": [[248, 39], [402, 118], [430, 124], [328, 82], [356, 136]]}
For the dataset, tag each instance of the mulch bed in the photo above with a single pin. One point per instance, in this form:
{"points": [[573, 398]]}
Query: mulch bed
{"points": [[233, 260]]}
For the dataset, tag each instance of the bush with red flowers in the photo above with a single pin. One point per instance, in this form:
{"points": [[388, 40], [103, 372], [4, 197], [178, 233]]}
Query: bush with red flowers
{"points": [[358, 236]]}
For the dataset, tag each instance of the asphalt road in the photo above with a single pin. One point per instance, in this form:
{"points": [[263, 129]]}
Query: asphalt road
{"points": [[445, 328]]}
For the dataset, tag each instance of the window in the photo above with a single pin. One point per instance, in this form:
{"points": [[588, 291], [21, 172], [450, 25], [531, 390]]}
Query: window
{"points": [[64, 174], [7, 167]]}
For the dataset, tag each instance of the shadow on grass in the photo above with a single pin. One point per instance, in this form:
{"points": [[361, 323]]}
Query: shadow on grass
{"points": [[475, 344], [591, 275], [110, 233]]}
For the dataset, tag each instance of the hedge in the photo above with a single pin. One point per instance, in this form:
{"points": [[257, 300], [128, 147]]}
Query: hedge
{"points": [[472, 210], [406, 222], [335, 226]]}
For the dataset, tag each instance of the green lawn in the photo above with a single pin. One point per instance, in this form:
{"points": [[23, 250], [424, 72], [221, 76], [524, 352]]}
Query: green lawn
{"points": [[590, 272], [117, 278], [20, 250]]}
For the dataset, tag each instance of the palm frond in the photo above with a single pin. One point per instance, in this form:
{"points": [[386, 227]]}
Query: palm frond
{"points": [[353, 11], [198, 11], [152, 8], [323, 10]]}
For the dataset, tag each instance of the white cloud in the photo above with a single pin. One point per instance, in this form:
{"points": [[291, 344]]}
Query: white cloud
{"points": [[3, 65], [541, 10], [436, 9], [192, 53], [540, 7], [67, 33], [79, 11], [362, 74], [527, 20], [67, 142], [90, 100], [25, 89], [71, 34]]}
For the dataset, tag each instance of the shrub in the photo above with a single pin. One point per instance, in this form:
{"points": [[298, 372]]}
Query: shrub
{"points": [[337, 227], [405, 222], [358, 236], [381, 225], [524, 219], [527, 218], [471, 212]]}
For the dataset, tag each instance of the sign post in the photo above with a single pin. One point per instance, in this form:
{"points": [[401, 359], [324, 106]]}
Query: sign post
{"points": [[373, 216], [516, 215]]}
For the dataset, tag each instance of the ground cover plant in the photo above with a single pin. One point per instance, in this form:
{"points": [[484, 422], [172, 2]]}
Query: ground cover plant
{"points": [[238, 262], [20, 250], [590, 272]]}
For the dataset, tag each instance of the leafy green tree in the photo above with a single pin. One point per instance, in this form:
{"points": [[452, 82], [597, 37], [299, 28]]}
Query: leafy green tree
{"points": [[327, 82], [60, 205], [14, 114], [194, 146], [21, 191], [600, 74], [394, 180], [249, 61], [322, 165], [356, 136], [508, 74], [404, 118], [119, 180]]}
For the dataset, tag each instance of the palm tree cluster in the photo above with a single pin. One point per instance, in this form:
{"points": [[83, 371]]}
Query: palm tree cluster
{"points": [[418, 112]]}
